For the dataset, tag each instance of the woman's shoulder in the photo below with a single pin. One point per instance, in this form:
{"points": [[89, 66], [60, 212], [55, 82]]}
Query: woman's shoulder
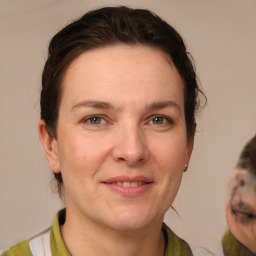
{"points": [[179, 247], [21, 248], [174, 244], [48, 241], [231, 246], [201, 251], [32, 246]]}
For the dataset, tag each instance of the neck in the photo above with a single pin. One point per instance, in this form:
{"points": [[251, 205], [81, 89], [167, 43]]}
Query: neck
{"points": [[89, 238]]}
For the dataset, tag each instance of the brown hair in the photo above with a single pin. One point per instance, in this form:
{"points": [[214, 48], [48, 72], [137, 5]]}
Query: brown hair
{"points": [[247, 159], [109, 26]]}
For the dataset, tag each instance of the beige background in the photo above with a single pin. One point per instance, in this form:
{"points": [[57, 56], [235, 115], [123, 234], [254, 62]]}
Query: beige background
{"points": [[221, 35]]}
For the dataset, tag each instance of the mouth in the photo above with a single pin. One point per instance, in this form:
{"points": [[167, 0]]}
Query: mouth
{"points": [[244, 215], [129, 186], [126, 181], [243, 210]]}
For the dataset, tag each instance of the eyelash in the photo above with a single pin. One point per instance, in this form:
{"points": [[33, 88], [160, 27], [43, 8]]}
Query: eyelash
{"points": [[87, 119], [165, 120]]}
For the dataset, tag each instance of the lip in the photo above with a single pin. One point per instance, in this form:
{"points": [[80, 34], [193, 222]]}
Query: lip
{"points": [[146, 185], [243, 215], [127, 178], [242, 210]]}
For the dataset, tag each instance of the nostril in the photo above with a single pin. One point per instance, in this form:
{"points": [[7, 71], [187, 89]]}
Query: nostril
{"points": [[241, 182]]}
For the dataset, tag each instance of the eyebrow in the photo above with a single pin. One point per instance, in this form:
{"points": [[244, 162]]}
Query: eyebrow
{"points": [[106, 105], [93, 104], [163, 104]]}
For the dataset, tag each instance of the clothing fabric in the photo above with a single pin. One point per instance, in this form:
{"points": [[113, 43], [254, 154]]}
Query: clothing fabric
{"points": [[231, 246], [50, 243]]}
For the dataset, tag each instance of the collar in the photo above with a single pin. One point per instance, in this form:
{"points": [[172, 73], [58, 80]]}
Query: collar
{"points": [[231, 246], [175, 246]]}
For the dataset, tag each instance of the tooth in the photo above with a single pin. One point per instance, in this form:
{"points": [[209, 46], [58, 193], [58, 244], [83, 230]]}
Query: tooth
{"points": [[119, 183], [134, 184], [126, 184], [139, 183]]}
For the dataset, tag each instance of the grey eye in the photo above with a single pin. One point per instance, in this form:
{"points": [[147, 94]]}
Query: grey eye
{"points": [[95, 120], [158, 120]]}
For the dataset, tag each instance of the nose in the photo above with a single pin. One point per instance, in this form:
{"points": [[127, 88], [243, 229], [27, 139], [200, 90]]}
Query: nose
{"points": [[130, 146]]}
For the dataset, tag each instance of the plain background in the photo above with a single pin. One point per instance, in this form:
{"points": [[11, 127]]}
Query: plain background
{"points": [[221, 36]]}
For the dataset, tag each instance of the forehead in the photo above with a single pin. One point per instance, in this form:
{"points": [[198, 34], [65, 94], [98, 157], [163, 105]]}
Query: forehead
{"points": [[132, 70]]}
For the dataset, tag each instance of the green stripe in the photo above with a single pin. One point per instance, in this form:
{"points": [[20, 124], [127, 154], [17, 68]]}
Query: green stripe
{"points": [[176, 246], [21, 248], [58, 247], [231, 246]]}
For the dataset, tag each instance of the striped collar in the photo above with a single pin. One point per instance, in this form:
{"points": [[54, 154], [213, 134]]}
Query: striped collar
{"points": [[175, 246]]}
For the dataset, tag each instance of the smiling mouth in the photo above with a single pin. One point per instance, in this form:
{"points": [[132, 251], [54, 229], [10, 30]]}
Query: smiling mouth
{"points": [[242, 210], [245, 215], [128, 184]]}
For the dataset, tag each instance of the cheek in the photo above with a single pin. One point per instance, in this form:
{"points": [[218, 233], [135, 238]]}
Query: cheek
{"points": [[170, 158], [72, 157], [80, 156], [244, 231], [232, 224], [170, 155], [169, 188], [229, 216]]}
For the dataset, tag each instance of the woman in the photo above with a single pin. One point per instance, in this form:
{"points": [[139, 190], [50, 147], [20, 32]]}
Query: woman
{"points": [[118, 104]]}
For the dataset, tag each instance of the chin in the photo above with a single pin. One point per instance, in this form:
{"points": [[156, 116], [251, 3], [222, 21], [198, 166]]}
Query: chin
{"points": [[131, 220]]}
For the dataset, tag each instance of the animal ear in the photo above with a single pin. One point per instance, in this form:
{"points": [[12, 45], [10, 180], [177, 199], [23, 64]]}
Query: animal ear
{"points": [[50, 146], [247, 158], [253, 157]]}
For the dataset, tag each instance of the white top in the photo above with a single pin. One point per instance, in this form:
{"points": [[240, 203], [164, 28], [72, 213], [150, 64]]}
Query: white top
{"points": [[40, 244]]}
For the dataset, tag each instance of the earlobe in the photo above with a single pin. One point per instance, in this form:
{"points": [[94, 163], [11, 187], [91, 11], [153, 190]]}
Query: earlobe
{"points": [[50, 147]]}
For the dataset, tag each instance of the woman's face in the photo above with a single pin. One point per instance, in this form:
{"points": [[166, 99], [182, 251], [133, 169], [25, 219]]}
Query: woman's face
{"points": [[121, 137], [241, 208]]}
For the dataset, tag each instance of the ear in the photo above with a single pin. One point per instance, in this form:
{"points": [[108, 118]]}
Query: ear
{"points": [[190, 145], [50, 147]]}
